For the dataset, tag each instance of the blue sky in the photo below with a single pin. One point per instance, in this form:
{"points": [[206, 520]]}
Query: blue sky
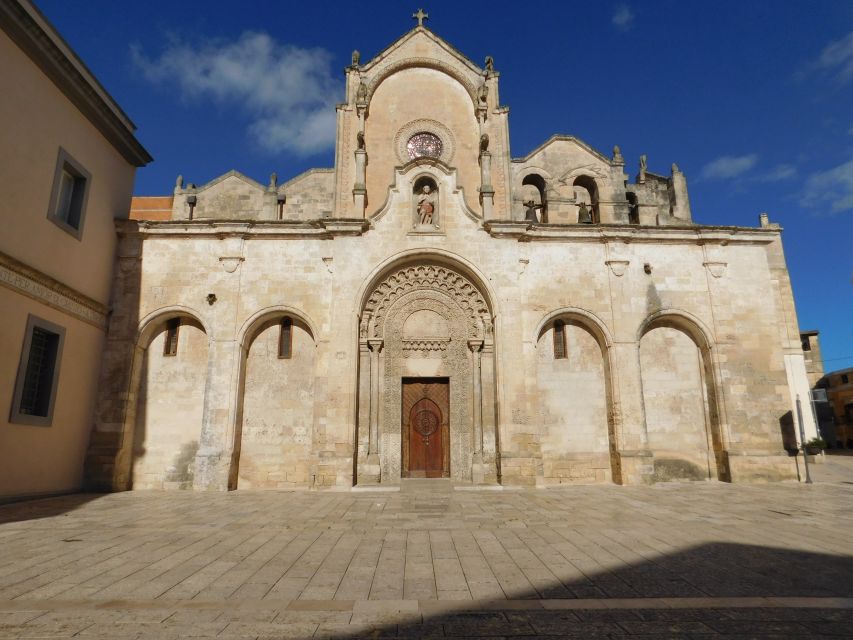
{"points": [[753, 100]]}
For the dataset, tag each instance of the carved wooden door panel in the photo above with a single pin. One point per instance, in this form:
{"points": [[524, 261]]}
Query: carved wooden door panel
{"points": [[425, 429]]}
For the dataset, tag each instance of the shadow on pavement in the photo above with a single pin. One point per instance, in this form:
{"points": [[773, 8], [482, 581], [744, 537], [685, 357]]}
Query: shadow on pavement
{"points": [[699, 585], [39, 508]]}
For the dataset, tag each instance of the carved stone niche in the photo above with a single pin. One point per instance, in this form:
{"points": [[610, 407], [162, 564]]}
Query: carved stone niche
{"points": [[426, 334], [426, 209]]}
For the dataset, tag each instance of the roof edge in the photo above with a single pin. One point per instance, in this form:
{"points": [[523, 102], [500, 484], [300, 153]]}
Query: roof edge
{"points": [[38, 39]]}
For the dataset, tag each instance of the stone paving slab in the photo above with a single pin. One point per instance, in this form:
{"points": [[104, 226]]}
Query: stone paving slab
{"points": [[705, 560]]}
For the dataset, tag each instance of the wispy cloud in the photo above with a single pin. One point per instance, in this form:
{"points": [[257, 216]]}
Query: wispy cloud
{"points": [[287, 92], [837, 58], [623, 17], [777, 174], [726, 167], [832, 188]]}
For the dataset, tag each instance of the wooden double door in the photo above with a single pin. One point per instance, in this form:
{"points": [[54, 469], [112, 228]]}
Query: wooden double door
{"points": [[426, 428]]}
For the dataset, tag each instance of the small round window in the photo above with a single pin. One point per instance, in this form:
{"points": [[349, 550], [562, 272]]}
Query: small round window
{"points": [[424, 145]]}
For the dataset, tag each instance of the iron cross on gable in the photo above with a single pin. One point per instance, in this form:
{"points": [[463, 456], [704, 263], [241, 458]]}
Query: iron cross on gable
{"points": [[420, 16]]}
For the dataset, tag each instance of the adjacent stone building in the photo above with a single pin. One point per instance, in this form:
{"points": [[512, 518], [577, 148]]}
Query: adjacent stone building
{"points": [[434, 307], [69, 160]]}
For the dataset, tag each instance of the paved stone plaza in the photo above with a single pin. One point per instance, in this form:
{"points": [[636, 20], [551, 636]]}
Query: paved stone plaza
{"points": [[671, 560]]}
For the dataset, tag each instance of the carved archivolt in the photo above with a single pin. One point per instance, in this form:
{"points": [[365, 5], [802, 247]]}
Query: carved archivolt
{"points": [[428, 278]]}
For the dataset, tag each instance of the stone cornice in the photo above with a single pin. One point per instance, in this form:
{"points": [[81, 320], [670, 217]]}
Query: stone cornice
{"points": [[323, 229], [692, 234], [39, 40], [42, 288]]}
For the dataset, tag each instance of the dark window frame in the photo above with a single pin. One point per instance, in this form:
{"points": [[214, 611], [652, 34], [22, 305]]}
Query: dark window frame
{"points": [[65, 163], [285, 338], [16, 415], [172, 337], [560, 350]]}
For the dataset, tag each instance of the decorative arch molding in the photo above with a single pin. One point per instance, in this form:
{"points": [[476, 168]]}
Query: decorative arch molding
{"points": [[698, 331], [589, 320], [427, 125], [425, 276], [595, 172], [151, 322], [530, 170], [382, 73], [250, 327], [432, 256]]}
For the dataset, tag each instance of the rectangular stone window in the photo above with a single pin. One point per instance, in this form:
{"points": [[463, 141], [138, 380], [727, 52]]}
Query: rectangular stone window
{"points": [[38, 373], [285, 338], [69, 195], [559, 340], [170, 345]]}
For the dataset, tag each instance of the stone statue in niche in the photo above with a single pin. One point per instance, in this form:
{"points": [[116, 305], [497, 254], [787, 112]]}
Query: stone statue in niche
{"points": [[484, 94], [361, 93], [426, 206], [359, 138], [490, 65]]}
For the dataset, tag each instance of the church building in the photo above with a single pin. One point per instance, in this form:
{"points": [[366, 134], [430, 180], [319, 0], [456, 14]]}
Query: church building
{"points": [[433, 307]]}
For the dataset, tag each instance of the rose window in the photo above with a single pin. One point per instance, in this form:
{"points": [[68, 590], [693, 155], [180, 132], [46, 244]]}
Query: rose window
{"points": [[424, 145]]}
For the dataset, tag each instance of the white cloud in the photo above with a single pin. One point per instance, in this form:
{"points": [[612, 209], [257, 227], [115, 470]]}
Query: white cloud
{"points": [[832, 188], [778, 173], [623, 17], [837, 57], [726, 167], [288, 92]]}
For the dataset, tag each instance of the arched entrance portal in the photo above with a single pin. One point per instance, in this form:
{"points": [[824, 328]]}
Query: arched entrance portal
{"points": [[426, 339]]}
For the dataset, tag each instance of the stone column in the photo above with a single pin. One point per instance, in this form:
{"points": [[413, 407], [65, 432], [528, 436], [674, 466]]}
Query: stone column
{"points": [[490, 444], [477, 470], [359, 191], [213, 460], [487, 191], [375, 347]]}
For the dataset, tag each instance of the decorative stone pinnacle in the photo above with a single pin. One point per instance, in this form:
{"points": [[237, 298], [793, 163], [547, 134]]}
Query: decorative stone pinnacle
{"points": [[420, 16]]}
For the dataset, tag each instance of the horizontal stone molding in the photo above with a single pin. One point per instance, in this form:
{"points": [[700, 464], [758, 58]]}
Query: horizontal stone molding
{"points": [[39, 286]]}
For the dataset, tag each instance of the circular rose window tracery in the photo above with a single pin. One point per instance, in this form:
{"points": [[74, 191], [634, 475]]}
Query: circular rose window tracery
{"points": [[424, 144]]}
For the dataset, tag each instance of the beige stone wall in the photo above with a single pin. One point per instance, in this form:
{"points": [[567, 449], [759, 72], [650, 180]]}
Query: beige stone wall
{"points": [[573, 409], [278, 413], [420, 94], [169, 413], [674, 400]]}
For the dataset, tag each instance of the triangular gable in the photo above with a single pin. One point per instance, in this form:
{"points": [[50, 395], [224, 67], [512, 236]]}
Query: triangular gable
{"points": [[398, 44], [233, 173], [564, 138]]}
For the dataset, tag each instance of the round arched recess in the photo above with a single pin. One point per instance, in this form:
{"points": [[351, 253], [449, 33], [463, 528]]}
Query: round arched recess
{"points": [[681, 398], [450, 361], [169, 377], [574, 394], [273, 433], [422, 63]]}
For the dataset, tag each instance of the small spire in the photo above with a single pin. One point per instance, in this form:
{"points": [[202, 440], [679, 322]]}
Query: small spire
{"points": [[420, 16]]}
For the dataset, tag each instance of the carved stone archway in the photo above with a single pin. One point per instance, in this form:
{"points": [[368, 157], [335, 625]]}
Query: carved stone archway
{"points": [[426, 320]]}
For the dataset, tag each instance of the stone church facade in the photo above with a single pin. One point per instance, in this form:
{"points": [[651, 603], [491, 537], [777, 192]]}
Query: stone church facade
{"points": [[433, 307]]}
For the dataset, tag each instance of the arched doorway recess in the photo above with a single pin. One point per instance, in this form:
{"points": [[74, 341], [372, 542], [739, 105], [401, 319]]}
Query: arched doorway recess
{"points": [[426, 322]]}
